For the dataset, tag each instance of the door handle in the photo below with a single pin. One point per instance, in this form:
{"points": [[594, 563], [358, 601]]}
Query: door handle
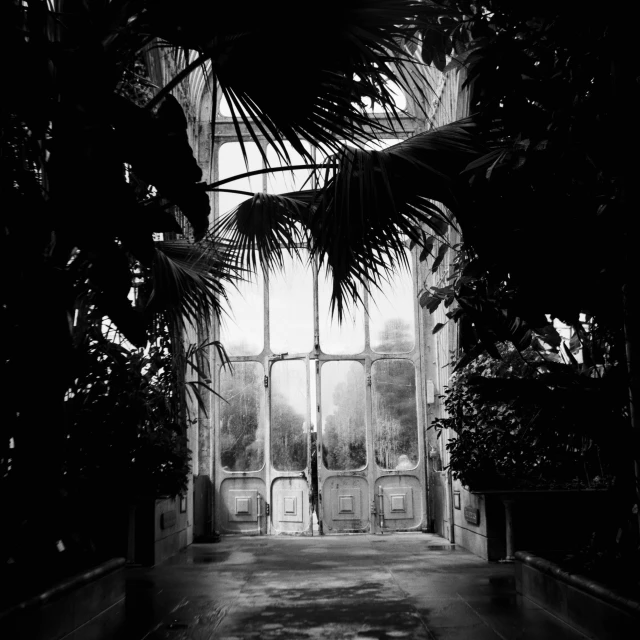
{"points": [[381, 498]]}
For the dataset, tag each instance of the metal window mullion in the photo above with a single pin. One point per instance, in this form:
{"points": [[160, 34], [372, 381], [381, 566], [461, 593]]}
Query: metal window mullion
{"points": [[372, 471], [319, 459], [420, 390], [266, 366], [214, 172]]}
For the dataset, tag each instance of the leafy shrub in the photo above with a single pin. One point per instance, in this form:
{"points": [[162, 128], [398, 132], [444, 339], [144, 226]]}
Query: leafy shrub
{"points": [[127, 420], [517, 425]]}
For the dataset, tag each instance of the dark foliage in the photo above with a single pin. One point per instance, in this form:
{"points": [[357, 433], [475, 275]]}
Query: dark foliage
{"points": [[518, 426]]}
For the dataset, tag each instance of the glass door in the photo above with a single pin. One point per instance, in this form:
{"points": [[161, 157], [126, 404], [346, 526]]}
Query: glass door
{"points": [[319, 415], [371, 461]]}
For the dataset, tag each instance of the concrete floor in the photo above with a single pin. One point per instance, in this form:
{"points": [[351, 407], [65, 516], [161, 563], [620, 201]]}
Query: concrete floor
{"points": [[367, 587]]}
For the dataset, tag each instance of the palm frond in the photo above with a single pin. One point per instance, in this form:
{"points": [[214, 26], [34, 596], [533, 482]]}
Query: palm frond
{"points": [[260, 230], [375, 200], [344, 55], [189, 280], [357, 226]]}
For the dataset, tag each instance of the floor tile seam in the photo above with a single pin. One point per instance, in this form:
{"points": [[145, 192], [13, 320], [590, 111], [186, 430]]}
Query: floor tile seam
{"points": [[405, 595], [410, 603], [564, 623], [232, 607], [484, 622]]}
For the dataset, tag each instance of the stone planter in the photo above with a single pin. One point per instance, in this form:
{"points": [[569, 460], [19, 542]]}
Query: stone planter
{"points": [[87, 606], [160, 530], [495, 523], [598, 611]]}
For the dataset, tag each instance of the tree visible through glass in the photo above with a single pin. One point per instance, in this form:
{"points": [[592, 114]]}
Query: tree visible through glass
{"points": [[241, 422], [344, 439], [395, 419]]}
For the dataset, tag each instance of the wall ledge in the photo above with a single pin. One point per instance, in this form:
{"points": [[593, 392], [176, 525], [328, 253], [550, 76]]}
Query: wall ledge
{"points": [[588, 585], [66, 586]]}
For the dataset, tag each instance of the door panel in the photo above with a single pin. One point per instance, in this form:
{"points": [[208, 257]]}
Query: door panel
{"points": [[343, 448], [290, 500], [243, 508], [399, 502], [289, 468], [345, 505], [242, 492]]}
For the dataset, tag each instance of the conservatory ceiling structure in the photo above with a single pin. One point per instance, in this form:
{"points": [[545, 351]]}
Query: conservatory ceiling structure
{"points": [[306, 397]]}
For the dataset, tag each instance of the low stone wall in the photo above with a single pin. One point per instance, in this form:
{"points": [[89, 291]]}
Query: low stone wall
{"points": [[541, 520], [161, 530], [595, 610], [170, 529], [87, 606], [484, 536]]}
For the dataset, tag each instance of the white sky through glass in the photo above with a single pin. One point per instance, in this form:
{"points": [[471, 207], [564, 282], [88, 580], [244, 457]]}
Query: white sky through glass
{"points": [[291, 308], [391, 314], [231, 163], [242, 326]]}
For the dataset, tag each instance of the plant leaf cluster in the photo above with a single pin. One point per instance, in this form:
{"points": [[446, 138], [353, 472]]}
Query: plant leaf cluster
{"points": [[516, 425], [549, 183]]}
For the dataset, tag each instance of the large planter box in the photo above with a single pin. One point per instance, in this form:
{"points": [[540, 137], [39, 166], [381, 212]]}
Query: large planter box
{"points": [[160, 530], [539, 519], [87, 606], [596, 610]]}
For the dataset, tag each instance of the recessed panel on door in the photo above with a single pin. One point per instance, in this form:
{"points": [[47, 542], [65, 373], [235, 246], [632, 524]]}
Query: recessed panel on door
{"points": [[243, 506], [290, 506], [399, 502], [345, 504]]}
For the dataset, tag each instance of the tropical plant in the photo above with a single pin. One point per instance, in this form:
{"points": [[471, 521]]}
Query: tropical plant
{"points": [[128, 411], [513, 427], [549, 89]]}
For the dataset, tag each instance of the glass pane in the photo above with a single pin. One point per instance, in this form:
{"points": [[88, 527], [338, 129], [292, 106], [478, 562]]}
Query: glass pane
{"points": [[395, 421], [313, 400], [289, 415], [391, 320], [231, 163], [241, 417], [291, 308], [242, 323], [338, 338], [344, 441], [384, 143], [225, 109], [286, 181]]}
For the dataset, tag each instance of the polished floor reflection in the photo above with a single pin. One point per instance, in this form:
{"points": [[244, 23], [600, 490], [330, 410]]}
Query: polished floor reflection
{"points": [[366, 587]]}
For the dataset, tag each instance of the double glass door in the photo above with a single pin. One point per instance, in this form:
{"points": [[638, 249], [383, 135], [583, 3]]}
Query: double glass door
{"points": [[320, 422]]}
